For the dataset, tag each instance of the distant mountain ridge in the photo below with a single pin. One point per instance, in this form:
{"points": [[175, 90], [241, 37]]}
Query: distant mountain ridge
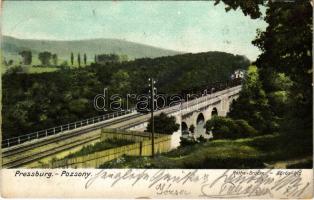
{"points": [[11, 46]]}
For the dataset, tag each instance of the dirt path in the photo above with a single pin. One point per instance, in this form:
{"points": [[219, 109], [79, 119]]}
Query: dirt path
{"points": [[285, 163]]}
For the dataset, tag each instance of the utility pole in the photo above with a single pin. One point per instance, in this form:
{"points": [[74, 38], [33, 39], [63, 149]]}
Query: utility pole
{"points": [[152, 98]]}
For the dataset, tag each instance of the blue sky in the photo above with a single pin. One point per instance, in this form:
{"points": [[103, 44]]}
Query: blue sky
{"points": [[185, 26]]}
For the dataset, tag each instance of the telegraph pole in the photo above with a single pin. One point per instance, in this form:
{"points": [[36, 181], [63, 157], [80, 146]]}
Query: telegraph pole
{"points": [[152, 98]]}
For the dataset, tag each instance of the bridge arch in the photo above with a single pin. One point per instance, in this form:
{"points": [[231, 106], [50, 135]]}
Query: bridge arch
{"points": [[200, 119], [232, 102], [184, 127], [214, 112], [200, 122]]}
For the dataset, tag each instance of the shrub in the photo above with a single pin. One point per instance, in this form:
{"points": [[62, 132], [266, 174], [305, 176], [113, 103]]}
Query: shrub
{"points": [[245, 129], [221, 127], [227, 128], [186, 141], [15, 69], [163, 124], [201, 139]]}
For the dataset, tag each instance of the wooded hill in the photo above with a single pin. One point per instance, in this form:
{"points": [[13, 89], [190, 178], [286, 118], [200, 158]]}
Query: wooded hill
{"points": [[37, 101], [12, 46]]}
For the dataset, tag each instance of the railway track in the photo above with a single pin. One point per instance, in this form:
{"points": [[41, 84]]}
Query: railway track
{"points": [[13, 157], [35, 156]]}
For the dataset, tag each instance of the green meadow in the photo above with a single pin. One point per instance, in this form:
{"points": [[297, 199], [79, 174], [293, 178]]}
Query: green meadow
{"points": [[264, 151]]}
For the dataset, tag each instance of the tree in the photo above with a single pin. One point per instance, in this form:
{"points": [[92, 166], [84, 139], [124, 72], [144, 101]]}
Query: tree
{"points": [[79, 60], [163, 124], [85, 59], [10, 62], [78, 105], [107, 58], [27, 57], [252, 104], [72, 58], [55, 59], [293, 58], [120, 82], [123, 58], [288, 51], [44, 57], [248, 7]]}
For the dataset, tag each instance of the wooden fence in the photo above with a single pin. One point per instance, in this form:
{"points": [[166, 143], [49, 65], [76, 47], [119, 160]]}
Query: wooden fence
{"points": [[141, 147], [135, 136]]}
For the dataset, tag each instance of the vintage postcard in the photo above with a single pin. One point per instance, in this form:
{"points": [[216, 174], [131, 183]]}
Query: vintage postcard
{"points": [[157, 99]]}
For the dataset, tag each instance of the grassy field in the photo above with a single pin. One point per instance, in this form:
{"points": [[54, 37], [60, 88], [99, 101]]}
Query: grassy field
{"points": [[257, 152], [35, 67], [34, 70]]}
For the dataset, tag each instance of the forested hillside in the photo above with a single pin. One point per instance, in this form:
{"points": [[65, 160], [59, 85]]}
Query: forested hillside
{"points": [[36, 101]]}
